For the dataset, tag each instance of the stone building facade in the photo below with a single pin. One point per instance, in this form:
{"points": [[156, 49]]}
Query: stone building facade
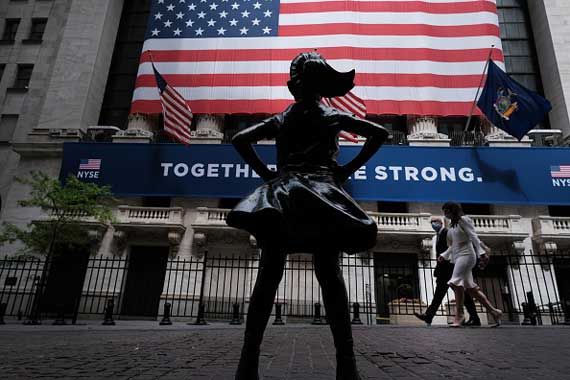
{"points": [[67, 75]]}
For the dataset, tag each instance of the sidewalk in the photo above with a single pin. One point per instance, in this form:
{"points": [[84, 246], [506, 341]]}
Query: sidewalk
{"points": [[145, 350]]}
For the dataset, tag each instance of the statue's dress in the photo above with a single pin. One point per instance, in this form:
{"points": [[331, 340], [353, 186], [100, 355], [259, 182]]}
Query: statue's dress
{"points": [[305, 209]]}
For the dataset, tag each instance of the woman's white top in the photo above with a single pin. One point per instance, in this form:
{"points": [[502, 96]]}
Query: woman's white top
{"points": [[463, 240]]}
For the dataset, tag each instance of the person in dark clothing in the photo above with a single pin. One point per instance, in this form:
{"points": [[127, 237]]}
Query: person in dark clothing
{"points": [[442, 273]]}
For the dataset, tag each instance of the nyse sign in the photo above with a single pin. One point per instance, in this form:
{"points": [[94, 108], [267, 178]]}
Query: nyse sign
{"points": [[409, 174]]}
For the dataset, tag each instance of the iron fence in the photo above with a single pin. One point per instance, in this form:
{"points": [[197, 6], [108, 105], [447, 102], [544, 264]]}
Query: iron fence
{"points": [[529, 288]]}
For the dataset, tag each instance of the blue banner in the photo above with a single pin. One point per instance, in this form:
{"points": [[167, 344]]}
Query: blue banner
{"points": [[395, 173]]}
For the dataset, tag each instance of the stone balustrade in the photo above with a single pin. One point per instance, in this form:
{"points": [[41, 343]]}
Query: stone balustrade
{"points": [[402, 222], [495, 229], [552, 229], [150, 215], [485, 223], [212, 216]]}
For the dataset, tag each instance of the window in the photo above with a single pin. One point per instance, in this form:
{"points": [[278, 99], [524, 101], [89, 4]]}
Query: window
{"points": [[558, 211], [124, 66], [7, 127], [228, 203], [392, 207], [518, 43], [23, 76], [156, 201], [37, 30], [10, 29], [476, 208]]}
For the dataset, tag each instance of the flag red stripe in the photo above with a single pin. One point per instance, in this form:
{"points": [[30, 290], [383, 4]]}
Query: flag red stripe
{"points": [[184, 125], [368, 79], [178, 107], [265, 106], [348, 136], [174, 95], [389, 30], [342, 103], [341, 106], [180, 119], [358, 106], [389, 6], [373, 54], [175, 136], [172, 114], [174, 127], [353, 101]]}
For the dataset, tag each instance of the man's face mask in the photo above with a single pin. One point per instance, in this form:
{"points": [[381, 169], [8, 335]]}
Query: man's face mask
{"points": [[436, 226]]}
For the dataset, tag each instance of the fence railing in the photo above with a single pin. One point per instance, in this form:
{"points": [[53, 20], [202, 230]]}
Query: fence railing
{"points": [[466, 138], [528, 288]]}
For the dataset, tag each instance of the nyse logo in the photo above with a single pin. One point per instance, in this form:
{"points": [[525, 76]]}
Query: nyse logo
{"points": [[89, 168], [560, 175]]}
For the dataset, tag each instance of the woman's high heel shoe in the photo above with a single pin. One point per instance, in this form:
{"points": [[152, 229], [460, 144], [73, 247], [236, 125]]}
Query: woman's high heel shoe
{"points": [[458, 324], [497, 314]]}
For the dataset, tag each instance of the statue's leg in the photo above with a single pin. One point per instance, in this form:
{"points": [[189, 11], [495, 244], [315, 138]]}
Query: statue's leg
{"points": [[271, 266], [329, 274]]}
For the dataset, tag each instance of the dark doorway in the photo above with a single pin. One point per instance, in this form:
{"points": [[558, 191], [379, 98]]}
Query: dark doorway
{"points": [[562, 272], [397, 284], [65, 280], [145, 280]]}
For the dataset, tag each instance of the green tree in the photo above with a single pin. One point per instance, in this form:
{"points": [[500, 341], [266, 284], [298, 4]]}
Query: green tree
{"points": [[65, 206]]}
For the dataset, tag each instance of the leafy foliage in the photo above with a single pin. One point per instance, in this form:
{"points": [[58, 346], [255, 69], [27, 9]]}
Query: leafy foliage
{"points": [[65, 206]]}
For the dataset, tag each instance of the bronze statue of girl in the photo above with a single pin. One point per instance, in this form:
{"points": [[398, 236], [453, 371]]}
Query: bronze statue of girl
{"points": [[302, 207]]}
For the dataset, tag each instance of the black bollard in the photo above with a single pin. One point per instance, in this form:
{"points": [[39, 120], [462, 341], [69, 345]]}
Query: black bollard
{"points": [[526, 313], [109, 313], [3, 307], [200, 318], [356, 314], [20, 315], [552, 314], [318, 320], [533, 310], [60, 319], [278, 320], [166, 315], [235, 315], [566, 312]]}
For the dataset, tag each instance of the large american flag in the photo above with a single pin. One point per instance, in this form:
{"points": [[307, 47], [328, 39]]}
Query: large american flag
{"points": [[233, 56]]}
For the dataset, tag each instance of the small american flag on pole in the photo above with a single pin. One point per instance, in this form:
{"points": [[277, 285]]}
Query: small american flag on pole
{"points": [[177, 113], [90, 164], [348, 103], [560, 171]]}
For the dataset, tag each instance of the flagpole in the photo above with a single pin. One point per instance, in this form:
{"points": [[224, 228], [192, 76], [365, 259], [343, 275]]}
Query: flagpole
{"points": [[478, 88]]}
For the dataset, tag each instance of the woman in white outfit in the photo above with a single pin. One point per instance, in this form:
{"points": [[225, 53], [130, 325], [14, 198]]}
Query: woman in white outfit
{"points": [[464, 249]]}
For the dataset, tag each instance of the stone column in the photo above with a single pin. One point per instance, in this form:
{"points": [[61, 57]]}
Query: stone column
{"points": [[551, 28], [209, 129], [77, 85], [141, 129], [498, 138], [422, 131]]}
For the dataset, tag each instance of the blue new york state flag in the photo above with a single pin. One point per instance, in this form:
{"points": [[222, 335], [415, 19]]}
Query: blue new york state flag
{"points": [[510, 106]]}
